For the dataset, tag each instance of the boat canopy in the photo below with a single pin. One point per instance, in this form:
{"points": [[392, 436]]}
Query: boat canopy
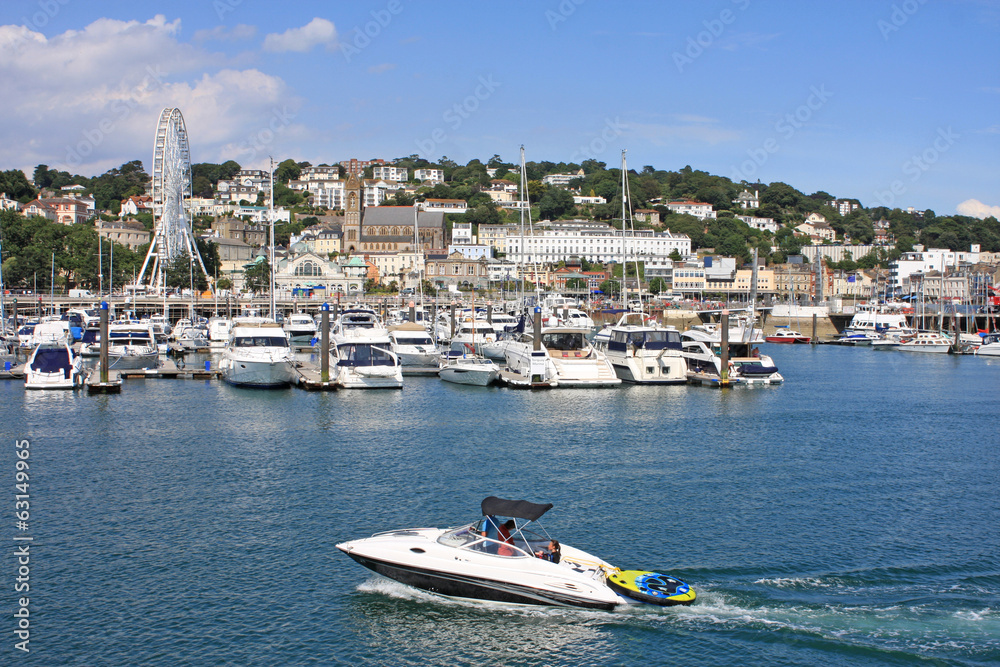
{"points": [[520, 509]]}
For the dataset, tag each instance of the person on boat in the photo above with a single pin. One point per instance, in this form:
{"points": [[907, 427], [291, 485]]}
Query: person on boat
{"points": [[505, 538], [491, 531], [550, 553]]}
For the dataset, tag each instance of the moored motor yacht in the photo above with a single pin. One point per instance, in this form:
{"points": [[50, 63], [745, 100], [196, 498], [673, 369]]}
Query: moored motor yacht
{"points": [[299, 325], [990, 346], [413, 345], [643, 352], [131, 346], [52, 364], [364, 360], [925, 341], [257, 355], [568, 359], [485, 560]]}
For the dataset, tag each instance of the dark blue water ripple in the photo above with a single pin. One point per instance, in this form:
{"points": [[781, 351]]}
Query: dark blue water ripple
{"points": [[848, 517]]}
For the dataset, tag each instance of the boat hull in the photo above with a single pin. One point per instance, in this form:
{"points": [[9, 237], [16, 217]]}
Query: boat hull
{"points": [[475, 376], [474, 588], [256, 373]]}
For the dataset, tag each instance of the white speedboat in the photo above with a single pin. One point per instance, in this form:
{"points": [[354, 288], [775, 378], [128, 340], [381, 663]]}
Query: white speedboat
{"points": [[359, 319], [460, 367], [300, 325], [413, 345], [569, 359], [364, 360], [746, 365], [643, 352], [52, 364], [990, 346], [484, 560], [925, 341], [257, 355]]}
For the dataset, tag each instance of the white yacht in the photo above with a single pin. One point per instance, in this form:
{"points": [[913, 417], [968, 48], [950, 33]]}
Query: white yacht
{"points": [[413, 345], [359, 319], [926, 341], [300, 325], [740, 331], [486, 560], [364, 360], [569, 359], [746, 366], [257, 355], [52, 364], [191, 337], [643, 352], [990, 346], [475, 332], [131, 345], [218, 330], [461, 367], [876, 317]]}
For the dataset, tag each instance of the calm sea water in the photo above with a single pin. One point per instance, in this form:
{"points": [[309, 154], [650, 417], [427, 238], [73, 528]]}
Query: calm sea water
{"points": [[849, 517]]}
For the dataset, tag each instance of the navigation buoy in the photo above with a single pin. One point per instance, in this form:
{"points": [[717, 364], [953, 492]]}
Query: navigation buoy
{"points": [[651, 587]]}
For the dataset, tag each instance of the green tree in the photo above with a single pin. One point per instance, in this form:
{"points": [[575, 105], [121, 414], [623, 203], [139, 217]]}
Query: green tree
{"points": [[257, 276], [288, 170], [555, 203]]}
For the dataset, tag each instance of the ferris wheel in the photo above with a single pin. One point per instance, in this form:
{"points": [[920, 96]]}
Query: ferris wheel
{"points": [[171, 189]]}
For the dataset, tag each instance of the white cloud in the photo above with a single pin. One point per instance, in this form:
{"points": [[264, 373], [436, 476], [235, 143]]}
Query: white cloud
{"points": [[318, 31], [384, 67], [978, 209], [87, 100]]}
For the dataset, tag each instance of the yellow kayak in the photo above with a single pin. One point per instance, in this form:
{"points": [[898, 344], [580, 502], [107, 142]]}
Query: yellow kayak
{"points": [[651, 587]]}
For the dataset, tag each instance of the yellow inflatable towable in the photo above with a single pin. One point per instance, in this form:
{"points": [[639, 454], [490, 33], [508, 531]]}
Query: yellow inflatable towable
{"points": [[651, 587]]}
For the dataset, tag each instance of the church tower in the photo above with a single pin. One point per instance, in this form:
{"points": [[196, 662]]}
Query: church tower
{"points": [[352, 214]]}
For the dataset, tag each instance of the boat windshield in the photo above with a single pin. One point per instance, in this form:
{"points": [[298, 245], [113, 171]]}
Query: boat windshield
{"points": [[564, 340], [524, 543], [260, 341], [364, 354], [656, 339]]}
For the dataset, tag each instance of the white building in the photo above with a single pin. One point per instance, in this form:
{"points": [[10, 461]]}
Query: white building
{"points": [[259, 214], [587, 201], [595, 244], [388, 173], [698, 209], [461, 233], [8, 203], [843, 206], [432, 175], [471, 250], [925, 261], [246, 185], [746, 200], [763, 224], [562, 180]]}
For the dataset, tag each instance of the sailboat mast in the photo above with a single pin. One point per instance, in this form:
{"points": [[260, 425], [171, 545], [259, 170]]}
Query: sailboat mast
{"points": [[270, 215]]}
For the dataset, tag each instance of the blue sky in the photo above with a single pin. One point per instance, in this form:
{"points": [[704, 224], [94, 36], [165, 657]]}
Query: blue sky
{"points": [[888, 102]]}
